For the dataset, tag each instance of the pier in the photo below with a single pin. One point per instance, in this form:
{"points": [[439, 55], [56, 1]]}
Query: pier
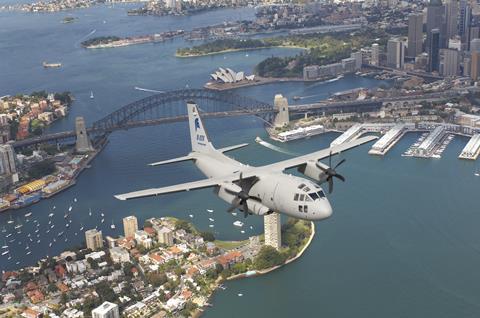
{"points": [[384, 144], [433, 144], [351, 134], [472, 148]]}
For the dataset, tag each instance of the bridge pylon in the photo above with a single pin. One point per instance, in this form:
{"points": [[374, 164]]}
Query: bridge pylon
{"points": [[281, 104], [83, 144]]}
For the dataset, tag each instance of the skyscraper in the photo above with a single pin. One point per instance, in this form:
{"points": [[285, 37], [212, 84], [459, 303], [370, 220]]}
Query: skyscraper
{"points": [[436, 20], [433, 51], [475, 65], [130, 226], [451, 19], [464, 22], [375, 59], [7, 160], [395, 53], [94, 239], [449, 62], [415, 34], [475, 45], [272, 230]]}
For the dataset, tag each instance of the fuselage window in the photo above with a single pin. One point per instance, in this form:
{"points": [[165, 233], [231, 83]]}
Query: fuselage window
{"points": [[295, 198], [300, 208], [306, 189], [301, 186], [302, 197], [305, 208]]}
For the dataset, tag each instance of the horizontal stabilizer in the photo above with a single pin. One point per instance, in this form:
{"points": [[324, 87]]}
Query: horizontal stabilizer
{"points": [[230, 148], [165, 162]]}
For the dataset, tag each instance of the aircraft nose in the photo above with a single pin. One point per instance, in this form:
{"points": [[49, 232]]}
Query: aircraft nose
{"points": [[324, 210]]}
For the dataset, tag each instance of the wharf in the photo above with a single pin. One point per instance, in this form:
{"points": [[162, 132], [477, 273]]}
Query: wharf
{"points": [[431, 145], [387, 141], [351, 134], [472, 149]]}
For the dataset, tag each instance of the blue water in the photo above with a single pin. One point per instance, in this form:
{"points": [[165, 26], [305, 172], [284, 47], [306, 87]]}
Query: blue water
{"points": [[403, 240]]}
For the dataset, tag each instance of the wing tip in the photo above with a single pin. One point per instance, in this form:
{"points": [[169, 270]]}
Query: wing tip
{"points": [[120, 197]]}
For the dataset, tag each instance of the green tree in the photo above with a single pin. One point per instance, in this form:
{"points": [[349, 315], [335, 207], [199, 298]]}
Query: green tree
{"points": [[156, 279], [268, 257], [208, 236], [41, 169]]}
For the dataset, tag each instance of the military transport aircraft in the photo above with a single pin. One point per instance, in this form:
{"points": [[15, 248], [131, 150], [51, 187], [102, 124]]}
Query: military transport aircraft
{"points": [[257, 190]]}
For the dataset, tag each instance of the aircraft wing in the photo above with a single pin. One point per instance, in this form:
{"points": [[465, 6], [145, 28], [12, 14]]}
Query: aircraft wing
{"points": [[318, 155]]}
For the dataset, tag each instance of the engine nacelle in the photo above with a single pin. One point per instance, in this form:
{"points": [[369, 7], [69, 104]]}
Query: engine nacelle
{"points": [[227, 192], [258, 208], [311, 170]]}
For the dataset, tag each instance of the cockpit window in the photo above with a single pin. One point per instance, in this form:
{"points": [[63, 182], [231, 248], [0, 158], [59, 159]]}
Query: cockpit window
{"points": [[307, 198], [321, 194], [295, 198], [314, 196], [301, 186]]}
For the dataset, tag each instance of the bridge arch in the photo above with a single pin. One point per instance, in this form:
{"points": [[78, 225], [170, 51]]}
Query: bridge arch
{"points": [[170, 107]]}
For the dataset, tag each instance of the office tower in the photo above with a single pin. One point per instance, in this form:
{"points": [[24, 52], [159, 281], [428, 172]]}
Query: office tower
{"points": [[375, 59], [415, 34], [436, 20], [464, 22], [449, 62], [7, 160], [433, 51], [475, 65], [272, 230], [451, 19], [94, 239], [475, 45], [474, 32], [106, 310], [395, 53], [130, 226]]}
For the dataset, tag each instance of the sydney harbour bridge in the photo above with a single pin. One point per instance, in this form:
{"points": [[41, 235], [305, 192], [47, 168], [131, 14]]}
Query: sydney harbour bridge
{"points": [[169, 107]]}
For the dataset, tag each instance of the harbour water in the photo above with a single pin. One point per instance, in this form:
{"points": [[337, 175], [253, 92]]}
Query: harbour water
{"points": [[403, 239]]}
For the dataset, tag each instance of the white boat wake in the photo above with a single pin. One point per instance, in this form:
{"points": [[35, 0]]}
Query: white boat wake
{"points": [[147, 90], [259, 141]]}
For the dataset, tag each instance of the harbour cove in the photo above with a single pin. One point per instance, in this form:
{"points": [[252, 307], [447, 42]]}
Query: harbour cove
{"points": [[416, 252]]}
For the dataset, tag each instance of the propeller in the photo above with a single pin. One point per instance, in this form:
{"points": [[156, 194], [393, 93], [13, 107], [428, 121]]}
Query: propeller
{"points": [[241, 196], [331, 172]]}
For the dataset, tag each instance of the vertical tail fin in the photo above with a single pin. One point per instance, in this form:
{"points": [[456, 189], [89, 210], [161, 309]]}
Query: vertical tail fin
{"points": [[198, 135]]}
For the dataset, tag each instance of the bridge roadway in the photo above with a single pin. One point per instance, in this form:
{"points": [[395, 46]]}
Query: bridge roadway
{"points": [[322, 106]]}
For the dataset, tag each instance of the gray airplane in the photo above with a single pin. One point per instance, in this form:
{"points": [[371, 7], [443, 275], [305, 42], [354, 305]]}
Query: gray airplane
{"points": [[257, 190]]}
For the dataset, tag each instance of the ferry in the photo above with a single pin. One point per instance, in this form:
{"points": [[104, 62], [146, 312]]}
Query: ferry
{"points": [[51, 65], [301, 132], [238, 223]]}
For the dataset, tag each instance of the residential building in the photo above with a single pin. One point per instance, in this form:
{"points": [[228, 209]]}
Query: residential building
{"points": [[449, 62], [7, 160], [130, 226], [119, 255], [165, 236], [106, 310], [272, 230], [375, 58], [415, 34], [94, 239]]}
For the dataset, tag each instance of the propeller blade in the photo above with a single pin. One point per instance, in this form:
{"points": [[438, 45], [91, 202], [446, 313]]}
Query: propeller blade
{"points": [[339, 176], [330, 184], [235, 204], [330, 159], [245, 208], [341, 162]]}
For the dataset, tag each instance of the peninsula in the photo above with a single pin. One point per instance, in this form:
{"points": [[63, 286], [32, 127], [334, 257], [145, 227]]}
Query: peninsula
{"points": [[167, 268], [115, 41]]}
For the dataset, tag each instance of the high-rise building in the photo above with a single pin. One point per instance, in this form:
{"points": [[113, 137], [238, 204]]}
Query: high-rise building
{"points": [[273, 230], [358, 56], [475, 65], [475, 45], [451, 19], [171, 4], [106, 310], [165, 236], [130, 226], [455, 44], [375, 59], [415, 34], [436, 20], [7, 160], [281, 104], [449, 62], [94, 239], [464, 22], [395, 53], [434, 51]]}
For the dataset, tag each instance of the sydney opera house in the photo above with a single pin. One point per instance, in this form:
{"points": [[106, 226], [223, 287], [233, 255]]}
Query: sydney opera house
{"points": [[229, 76]]}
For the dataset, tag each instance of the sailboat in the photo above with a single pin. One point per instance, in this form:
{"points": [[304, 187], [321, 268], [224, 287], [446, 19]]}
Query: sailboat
{"points": [[70, 209], [5, 246], [81, 227], [74, 199], [91, 95], [28, 214], [477, 173], [11, 220], [113, 225], [4, 230], [89, 212]]}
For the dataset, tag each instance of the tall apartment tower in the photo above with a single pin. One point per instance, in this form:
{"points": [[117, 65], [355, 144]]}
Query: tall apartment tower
{"points": [[273, 230], [130, 226], [415, 34], [94, 239], [106, 310], [375, 58], [475, 66], [7, 160], [434, 51], [436, 20], [449, 62], [281, 104], [451, 19], [395, 53]]}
